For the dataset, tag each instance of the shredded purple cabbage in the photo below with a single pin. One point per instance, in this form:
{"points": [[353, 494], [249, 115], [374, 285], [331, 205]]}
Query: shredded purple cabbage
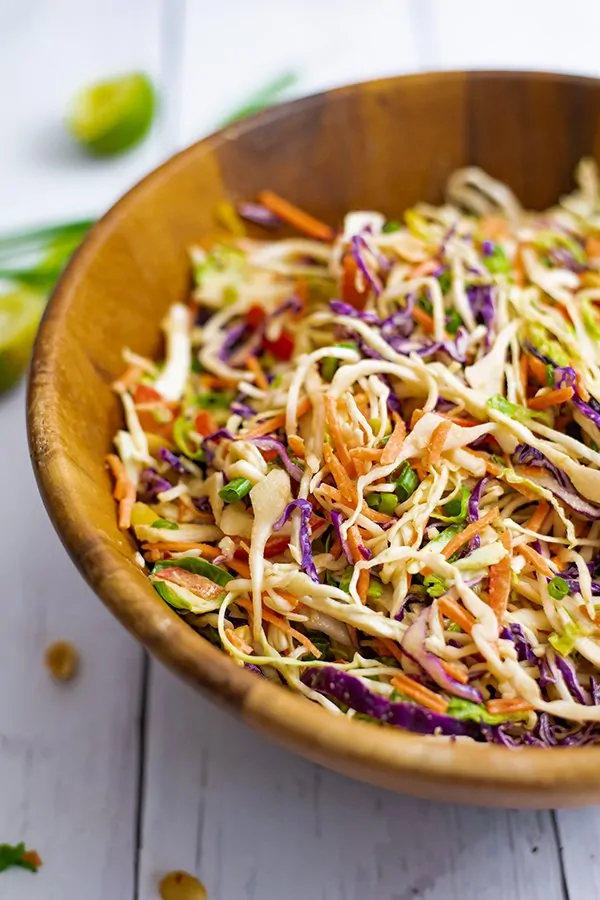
{"points": [[357, 247], [558, 482], [515, 633], [344, 309], [258, 214], [242, 409], [481, 299], [413, 645], [473, 510], [152, 484], [267, 443], [252, 668], [345, 688], [336, 520], [233, 336], [174, 461], [567, 670], [202, 504], [308, 565]]}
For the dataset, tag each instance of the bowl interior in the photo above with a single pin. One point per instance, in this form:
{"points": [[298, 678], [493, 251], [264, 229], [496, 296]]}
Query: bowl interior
{"points": [[382, 145]]}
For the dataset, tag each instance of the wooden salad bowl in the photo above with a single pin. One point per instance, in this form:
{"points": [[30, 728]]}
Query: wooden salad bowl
{"points": [[381, 145]]}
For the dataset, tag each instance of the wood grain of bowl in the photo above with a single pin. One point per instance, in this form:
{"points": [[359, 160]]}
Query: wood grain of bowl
{"points": [[381, 145]]}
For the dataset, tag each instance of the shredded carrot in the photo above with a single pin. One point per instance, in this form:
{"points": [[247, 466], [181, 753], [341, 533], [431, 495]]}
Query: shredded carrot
{"points": [[592, 245], [436, 443], [423, 319], [394, 444], [302, 296], [427, 267], [343, 482], [581, 388], [352, 293], [260, 379], [391, 648], [492, 227], [551, 398], [124, 490], [372, 454], [508, 705], [204, 423], [296, 217], [275, 422], [536, 560], [537, 368], [453, 611], [537, 519], [296, 445], [365, 510], [355, 540], [460, 420], [500, 581], [336, 548], [237, 641], [238, 566], [416, 417], [469, 532], [337, 437], [128, 378], [419, 693], [457, 670], [281, 623]]}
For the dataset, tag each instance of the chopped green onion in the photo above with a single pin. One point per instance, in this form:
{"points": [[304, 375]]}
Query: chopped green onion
{"points": [[213, 400], [513, 410], [445, 283], [497, 262], [549, 375], [18, 855], [375, 589], [383, 503], [165, 523], [181, 436], [558, 588], [406, 483], [330, 364], [453, 321], [565, 643], [391, 225], [456, 509], [435, 586], [235, 490]]}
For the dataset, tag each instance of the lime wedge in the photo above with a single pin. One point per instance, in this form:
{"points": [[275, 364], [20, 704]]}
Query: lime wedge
{"points": [[112, 116], [20, 314]]}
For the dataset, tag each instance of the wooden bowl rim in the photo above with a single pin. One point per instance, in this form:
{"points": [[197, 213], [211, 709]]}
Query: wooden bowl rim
{"points": [[380, 755]]}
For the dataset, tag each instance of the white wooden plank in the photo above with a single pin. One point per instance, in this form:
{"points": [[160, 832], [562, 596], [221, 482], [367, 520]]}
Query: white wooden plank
{"points": [[240, 46], [49, 51], [538, 34], [254, 822], [579, 836], [68, 753]]}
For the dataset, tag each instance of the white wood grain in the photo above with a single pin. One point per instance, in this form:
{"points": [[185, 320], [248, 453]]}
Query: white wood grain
{"points": [[68, 753], [240, 46], [49, 50], [255, 822], [559, 35]]}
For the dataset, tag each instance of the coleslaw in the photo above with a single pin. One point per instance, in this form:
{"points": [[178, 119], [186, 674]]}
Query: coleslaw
{"points": [[368, 466]]}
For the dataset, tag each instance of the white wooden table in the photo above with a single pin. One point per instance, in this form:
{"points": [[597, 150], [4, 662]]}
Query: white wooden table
{"points": [[126, 773]]}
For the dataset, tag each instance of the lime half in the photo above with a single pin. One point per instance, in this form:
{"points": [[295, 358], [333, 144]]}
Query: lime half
{"points": [[112, 116], [20, 314]]}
